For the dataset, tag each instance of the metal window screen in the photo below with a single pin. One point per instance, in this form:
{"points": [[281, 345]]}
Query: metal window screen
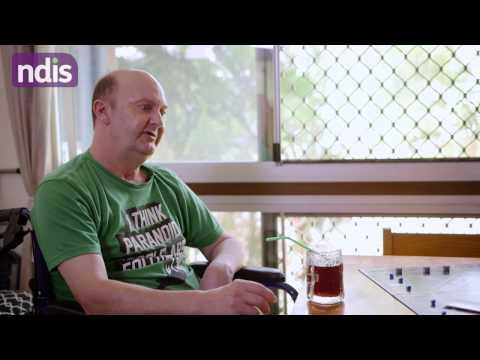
{"points": [[366, 102]]}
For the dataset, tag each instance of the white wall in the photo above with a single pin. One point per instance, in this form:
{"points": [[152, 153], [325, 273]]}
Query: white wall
{"points": [[12, 190]]}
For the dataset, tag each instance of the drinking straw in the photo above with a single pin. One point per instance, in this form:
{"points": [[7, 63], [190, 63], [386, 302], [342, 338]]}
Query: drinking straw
{"points": [[275, 238]]}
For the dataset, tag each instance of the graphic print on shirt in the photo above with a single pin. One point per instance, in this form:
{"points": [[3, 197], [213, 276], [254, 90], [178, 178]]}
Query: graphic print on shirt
{"points": [[151, 237]]}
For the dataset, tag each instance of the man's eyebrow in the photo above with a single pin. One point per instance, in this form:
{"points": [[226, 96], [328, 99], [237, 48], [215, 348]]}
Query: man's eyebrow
{"points": [[151, 101], [146, 100]]}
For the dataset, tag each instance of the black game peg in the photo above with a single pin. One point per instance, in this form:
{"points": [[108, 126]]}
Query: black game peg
{"points": [[400, 280], [426, 270], [446, 269], [409, 288], [391, 276], [398, 271], [433, 303]]}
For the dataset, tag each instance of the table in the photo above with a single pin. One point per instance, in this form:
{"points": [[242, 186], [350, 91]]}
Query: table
{"points": [[363, 296]]}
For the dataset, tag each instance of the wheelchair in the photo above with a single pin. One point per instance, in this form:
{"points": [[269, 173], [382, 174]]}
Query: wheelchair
{"points": [[12, 300], [44, 301]]}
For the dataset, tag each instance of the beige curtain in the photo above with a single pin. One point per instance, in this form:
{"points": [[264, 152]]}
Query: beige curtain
{"points": [[34, 116]]}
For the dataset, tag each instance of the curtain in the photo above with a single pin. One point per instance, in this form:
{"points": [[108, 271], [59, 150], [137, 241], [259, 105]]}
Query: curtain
{"points": [[34, 117]]}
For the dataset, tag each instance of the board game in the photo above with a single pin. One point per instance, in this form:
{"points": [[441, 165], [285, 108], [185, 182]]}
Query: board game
{"points": [[432, 290]]}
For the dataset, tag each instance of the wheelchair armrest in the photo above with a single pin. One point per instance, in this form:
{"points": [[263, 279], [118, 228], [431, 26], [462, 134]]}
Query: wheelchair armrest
{"points": [[253, 273], [61, 308], [267, 276]]}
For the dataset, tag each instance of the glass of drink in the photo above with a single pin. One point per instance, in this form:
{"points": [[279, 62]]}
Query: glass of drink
{"points": [[325, 277]]}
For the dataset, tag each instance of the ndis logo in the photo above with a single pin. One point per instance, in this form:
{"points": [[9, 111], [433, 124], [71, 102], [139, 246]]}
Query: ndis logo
{"points": [[44, 70]]}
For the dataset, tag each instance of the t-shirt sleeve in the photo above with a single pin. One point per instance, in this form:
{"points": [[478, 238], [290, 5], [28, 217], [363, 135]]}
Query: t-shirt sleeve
{"points": [[63, 223], [201, 227]]}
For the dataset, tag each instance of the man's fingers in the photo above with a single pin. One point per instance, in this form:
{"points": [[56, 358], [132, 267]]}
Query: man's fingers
{"points": [[245, 309], [258, 302], [251, 297], [260, 290], [260, 312]]}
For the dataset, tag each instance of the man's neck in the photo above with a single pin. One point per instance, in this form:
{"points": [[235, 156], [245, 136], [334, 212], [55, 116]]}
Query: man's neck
{"points": [[124, 167]]}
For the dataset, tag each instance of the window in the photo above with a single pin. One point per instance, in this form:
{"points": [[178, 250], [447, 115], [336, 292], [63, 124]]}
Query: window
{"points": [[354, 104]]}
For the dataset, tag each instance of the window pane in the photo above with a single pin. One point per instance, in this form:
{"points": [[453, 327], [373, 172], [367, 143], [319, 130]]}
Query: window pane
{"points": [[74, 104], [211, 91], [355, 236], [342, 102]]}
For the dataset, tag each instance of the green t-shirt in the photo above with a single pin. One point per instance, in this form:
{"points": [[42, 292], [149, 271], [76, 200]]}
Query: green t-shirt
{"points": [[140, 230]]}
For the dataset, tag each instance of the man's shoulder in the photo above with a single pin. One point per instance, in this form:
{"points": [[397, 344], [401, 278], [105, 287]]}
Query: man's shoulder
{"points": [[62, 187], [70, 172], [162, 172], [168, 178]]}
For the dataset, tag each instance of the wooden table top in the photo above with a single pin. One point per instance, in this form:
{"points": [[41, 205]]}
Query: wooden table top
{"points": [[363, 296]]}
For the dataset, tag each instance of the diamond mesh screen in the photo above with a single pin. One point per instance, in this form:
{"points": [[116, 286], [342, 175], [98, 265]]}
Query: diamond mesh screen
{"points": [[362, 102]]}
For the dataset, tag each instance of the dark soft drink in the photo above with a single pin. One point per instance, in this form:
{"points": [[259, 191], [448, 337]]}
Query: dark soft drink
{"points": [[327, 281]]}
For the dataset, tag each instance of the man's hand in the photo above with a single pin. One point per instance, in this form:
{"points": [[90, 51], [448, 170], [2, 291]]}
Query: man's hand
{"points": [[217, 274], [241, 297]]}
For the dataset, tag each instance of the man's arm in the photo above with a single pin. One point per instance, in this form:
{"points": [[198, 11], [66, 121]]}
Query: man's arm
{"points": [[226, 257], [87, 278]]}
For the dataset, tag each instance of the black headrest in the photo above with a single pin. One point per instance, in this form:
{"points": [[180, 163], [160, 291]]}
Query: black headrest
{"points": [[14, 233]]}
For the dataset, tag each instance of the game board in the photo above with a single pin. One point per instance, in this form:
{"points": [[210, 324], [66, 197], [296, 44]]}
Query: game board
{"points": [[432, 290]]}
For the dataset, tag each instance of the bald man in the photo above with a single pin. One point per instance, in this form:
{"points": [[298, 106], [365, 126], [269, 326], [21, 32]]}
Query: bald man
{"points": [[113, 230]]}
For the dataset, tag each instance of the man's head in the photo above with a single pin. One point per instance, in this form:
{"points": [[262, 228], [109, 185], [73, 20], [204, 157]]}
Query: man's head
{"points": [[128, 108]]}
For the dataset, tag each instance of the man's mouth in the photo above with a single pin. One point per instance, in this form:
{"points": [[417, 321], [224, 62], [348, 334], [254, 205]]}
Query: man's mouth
{"points": [[151, 133]]}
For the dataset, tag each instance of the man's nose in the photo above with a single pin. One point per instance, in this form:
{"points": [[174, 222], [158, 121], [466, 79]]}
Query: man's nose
{"points": [[157, 119]]}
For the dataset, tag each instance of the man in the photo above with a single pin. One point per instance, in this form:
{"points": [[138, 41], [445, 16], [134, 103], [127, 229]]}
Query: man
{"points": [[113, 230]]}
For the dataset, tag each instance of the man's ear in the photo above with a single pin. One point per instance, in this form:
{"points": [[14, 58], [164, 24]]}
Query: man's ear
{"points": [[101, 109]]}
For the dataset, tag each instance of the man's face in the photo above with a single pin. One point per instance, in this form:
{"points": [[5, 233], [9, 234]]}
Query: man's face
{"points": [[137, 117]]}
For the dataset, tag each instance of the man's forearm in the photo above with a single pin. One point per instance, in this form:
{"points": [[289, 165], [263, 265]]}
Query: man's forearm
{"points": [[116, 297], [228, 252], [226, 258]]}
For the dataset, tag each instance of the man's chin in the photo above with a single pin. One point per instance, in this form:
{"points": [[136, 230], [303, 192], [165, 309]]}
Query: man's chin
{"points": [[147, 150]]}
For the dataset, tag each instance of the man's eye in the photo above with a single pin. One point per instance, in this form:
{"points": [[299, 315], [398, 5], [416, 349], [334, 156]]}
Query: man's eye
{"points": [[146, 107]]}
